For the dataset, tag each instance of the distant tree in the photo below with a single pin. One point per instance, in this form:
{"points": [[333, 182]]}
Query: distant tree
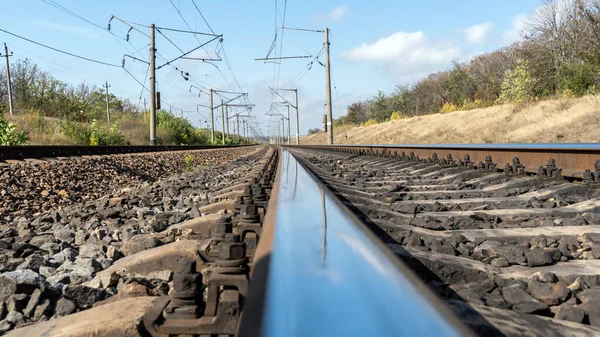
{"points": [[357, 112], [379, 107]]}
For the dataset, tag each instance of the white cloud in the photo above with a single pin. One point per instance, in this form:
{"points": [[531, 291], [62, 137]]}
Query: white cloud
{"points": [[514, 33], [335, 15], [408, 55], [82, 31], [478, 34], [338, 13]]}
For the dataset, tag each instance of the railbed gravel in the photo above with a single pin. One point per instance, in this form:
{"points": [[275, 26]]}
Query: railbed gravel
{"points": [[96, 211]]}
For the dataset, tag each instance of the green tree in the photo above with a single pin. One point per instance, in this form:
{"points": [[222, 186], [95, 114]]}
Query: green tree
{"points": [[357, 112], [379, 107], [579, 78], [518, 84]]}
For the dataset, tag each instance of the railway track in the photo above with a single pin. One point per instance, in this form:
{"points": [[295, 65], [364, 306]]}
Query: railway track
{"points": [[524, 239], [312, 240]]}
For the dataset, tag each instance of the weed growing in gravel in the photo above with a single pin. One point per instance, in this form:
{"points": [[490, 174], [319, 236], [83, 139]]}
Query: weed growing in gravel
{"points": [[189, 160]]}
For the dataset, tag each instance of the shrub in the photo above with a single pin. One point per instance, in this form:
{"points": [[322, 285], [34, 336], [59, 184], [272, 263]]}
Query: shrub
{"points": [[114, 136], [179, 130], [470, 105], [567, 94], [578, 78], [9, 135], [78, 133], [369, 122], [397, 116], [93, 135], [592, 90], [448, 107], [517, 85]]}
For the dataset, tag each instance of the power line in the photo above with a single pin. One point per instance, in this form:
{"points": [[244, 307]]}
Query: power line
{"points": [[336, 93], [186, 31], [221, 41], [173, 43], [61, 51], [198, 9], [138, 81], [143, 86], [66, 10]]}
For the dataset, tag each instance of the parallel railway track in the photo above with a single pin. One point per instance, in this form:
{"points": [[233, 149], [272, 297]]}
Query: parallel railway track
{"points": [[51, 151], [331, 241], [496, 237]]}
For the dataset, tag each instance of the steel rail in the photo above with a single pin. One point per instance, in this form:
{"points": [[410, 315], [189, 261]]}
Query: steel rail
{"points": [[48, 151], [573, 159], [321, 272]]}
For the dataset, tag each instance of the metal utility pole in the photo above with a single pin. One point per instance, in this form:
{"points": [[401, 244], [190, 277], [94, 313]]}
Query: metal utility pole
{"points": [[212, 118], [278, 133], [224, 121], [293, 106], [107, 106], [288, 118], [297, 120], [282, 129], [237, 121], [152, 86], [9, 87], [328, 90], [227, 119]]}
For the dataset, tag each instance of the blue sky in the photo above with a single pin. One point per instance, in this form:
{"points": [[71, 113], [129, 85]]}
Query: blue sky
{"points": [[375, 45]]}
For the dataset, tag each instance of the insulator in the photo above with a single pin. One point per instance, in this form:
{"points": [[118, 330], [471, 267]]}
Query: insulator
{"points": [[123, 63], [127, 37], [109, 26]]}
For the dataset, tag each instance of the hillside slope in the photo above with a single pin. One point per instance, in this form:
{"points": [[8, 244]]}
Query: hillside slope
{"points": [[552, 121]]}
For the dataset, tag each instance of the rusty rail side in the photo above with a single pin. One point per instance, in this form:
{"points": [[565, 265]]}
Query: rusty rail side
{"points": [[252, 318], [574, 161]]}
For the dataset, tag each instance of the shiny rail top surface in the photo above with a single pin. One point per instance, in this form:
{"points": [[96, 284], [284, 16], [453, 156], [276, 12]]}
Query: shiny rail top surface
{"points": [[514, 146], [329, 277]]}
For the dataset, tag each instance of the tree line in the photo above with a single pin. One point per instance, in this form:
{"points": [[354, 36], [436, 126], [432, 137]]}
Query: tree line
{"points": [[81, 111], [559, 55]]}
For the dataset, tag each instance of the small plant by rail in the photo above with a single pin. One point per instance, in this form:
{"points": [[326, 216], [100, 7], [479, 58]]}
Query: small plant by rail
{"points": [[189, 160]]}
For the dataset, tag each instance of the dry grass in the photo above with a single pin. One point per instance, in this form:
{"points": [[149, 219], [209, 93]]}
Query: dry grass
{"points": [[47, 130], [552, 121], [42, 131]]}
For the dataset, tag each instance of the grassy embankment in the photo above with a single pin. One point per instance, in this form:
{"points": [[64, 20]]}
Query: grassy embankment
{"points": [[551, 121]]}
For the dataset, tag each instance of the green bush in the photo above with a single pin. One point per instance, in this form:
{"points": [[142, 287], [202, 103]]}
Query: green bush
{"points": [[77, 133], [578, 78], [369, 122], [180, 131], [9, 135], [92, 135], [448, 107], [397, 116], [517, 86]]}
